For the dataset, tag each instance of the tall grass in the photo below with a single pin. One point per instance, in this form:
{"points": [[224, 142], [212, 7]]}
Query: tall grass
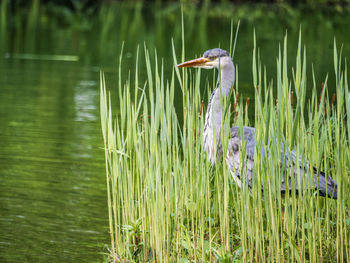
{"points": [[168, 204]]}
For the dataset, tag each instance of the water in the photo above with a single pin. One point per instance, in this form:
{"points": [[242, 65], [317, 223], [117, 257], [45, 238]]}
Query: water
{"points": [[53, 197], [52, 178]]}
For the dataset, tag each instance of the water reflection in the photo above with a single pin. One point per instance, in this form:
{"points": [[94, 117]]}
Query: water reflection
{"points": [[85, 98]]}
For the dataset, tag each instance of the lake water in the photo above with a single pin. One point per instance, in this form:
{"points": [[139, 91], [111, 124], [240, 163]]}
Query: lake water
{"points": [[53, 198], [52, 182]]}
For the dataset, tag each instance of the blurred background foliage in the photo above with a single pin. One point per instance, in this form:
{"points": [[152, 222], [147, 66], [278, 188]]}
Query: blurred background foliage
{"points": [[28, 22], [95, 30]]}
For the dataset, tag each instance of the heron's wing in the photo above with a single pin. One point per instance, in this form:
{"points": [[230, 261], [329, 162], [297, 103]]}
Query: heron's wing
{"points": [[288, 159], [293, 166], [234, 156], [296, 168]]}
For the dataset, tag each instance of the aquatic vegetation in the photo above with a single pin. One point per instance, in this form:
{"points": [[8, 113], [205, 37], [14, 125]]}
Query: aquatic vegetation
{"points": [[168, 204]]}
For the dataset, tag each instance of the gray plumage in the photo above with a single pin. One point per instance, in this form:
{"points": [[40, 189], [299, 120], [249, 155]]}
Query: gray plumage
{"points": [[215, 52], [290, 163]]}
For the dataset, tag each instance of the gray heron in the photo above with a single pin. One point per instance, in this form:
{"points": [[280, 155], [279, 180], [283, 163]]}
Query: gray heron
{"points": [[221, 60]]}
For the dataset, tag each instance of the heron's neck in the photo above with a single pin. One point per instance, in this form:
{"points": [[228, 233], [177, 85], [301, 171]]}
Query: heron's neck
{"points": [[215, 111]]}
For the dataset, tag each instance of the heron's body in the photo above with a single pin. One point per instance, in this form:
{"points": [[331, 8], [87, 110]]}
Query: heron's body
{"points": [[212, 134]]}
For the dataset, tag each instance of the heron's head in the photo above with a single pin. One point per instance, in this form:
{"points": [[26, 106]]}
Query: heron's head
{"points": [[212, 58]]}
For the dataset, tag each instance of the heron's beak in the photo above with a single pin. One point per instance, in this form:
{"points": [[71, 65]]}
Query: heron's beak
{"points": [[198, 62]]}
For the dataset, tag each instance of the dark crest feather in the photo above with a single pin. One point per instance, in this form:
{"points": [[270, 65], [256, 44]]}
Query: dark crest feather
{"points": [[215, 52]]}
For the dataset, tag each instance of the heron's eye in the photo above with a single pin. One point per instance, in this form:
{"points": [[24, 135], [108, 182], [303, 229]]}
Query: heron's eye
{"points": [[212, 58]]}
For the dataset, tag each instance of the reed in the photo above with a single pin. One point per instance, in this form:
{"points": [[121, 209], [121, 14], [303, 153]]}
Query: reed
{"points": [[168, 204]]}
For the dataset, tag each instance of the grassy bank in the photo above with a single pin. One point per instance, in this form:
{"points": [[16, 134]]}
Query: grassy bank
{"points": [[168, 204]]}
